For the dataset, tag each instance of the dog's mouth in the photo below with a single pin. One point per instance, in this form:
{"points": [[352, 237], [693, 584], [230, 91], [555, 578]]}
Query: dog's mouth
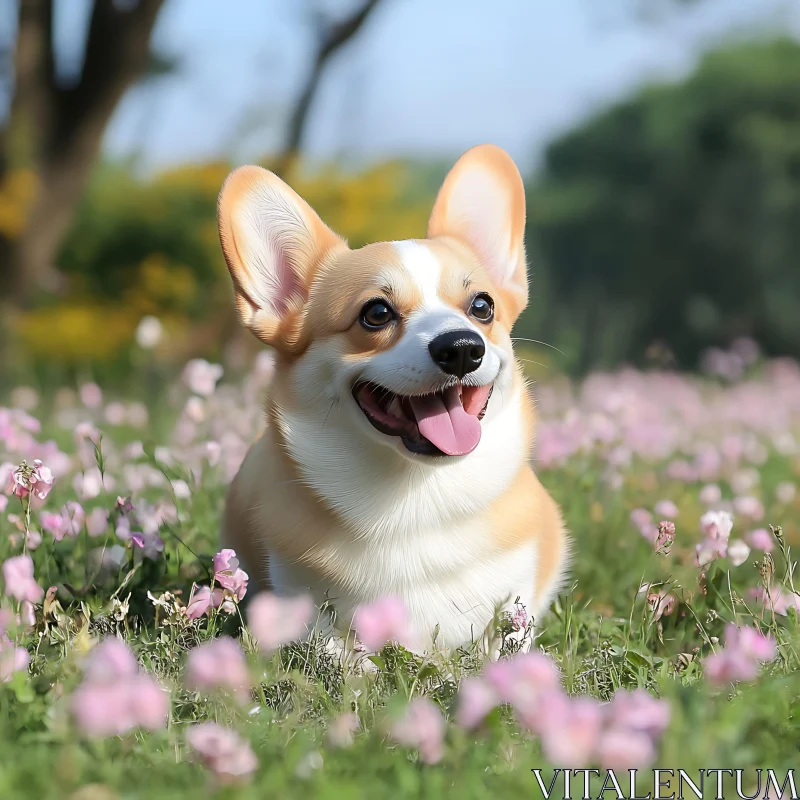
{"points": [[447, 422]]}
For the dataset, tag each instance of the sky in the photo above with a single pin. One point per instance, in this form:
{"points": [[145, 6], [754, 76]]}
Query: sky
{"points": [[424, 78]]}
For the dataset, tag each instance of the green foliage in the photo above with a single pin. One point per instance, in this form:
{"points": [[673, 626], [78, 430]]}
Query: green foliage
{"points": [[669, 219], [672, 217]]}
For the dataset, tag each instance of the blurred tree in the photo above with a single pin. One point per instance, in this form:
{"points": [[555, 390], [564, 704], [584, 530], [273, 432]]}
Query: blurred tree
{"points": [[54, 131], [330, 37], [55, 127], [675, 217]]}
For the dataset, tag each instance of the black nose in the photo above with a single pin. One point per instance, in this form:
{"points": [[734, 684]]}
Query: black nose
{"points": [[457, 352]]}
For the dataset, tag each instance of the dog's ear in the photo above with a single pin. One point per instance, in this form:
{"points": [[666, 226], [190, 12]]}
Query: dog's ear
{"points": [[482, 203], [272, 241]]}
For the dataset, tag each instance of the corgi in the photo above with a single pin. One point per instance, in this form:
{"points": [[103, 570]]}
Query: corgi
{"points": [[395, 459]]}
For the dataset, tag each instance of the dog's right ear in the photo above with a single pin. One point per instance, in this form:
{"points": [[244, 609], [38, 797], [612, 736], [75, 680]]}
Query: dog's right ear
{"points": [[272, 241]]}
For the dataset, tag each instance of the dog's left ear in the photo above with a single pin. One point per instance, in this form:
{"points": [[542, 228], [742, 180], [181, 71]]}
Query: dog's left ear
{"points": [[482, 203], [273, 242]]}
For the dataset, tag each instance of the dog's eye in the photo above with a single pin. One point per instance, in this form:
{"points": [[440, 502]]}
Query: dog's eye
{"points": [[482, 308], [376, 314]]}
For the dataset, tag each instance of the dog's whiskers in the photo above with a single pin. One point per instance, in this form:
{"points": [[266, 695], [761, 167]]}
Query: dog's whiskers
{"points": [[537, 341]]}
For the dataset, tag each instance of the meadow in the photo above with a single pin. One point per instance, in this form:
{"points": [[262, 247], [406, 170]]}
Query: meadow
{"points": [[132, 665]]}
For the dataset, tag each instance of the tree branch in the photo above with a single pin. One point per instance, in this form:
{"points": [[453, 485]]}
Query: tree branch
{"points": [[337, 37], [117, 51]]}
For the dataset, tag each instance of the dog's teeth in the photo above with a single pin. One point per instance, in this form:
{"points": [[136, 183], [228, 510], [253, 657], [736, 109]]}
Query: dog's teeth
{"points": [[395, 408]]}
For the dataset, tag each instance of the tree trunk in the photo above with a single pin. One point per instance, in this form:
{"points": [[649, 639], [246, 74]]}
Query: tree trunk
{"points": [[62, 128]]}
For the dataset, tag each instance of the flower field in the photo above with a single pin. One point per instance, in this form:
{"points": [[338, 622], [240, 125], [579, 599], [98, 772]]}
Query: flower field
{"points": [[136, 660]]}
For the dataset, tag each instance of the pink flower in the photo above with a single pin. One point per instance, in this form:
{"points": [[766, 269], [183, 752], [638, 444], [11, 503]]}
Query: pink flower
{"points": [[342, 730], [201, 377], [27, 614], [103, 709], [202, 600], [710, 494], [383, 621], [570, 729], [33, 539], [785, 492], [640, 711], [738, 552], [42, 480], [228, 575], [750, 643], [152, 544], [744, 480], [115, 696], [124, 505], [72, 519], [275, 621], [115, 413], [777, 599], [750, 507], [67, 522], [149, 702], [519, 619], [727, 667], [111, 661], [6, 619], [761, 539], [641, 517], [213, 450], [123, 529], [421, 727], [218, 664], [97, 522], [37, 480], [181, 489], [53, 523], [85, 430], [522, 680], [91, 395], [222, 750], [744, 649], [225, 561], [716, 525], [235, 583], [476, 698], [708, 550], [195, 409], [19, 580], [12, 659], [662, 604], [666, 508], [623, 749], [665, 538], [91, 483]]}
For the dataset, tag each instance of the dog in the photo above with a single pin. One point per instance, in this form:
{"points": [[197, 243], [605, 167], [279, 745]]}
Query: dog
{"points": [[395, 459]]}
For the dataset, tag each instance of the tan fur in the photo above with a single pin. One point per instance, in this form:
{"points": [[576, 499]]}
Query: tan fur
{"points": [[274, 510]]}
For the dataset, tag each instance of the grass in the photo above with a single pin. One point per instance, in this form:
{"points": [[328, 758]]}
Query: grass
{"points": [[602, 632]]}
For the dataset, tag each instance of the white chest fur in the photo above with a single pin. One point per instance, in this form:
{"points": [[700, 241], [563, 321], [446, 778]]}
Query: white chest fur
{"points": [[408, 530], [448, 579]]}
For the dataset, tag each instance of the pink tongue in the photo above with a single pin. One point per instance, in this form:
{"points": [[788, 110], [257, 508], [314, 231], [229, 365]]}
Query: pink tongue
{"points": [[443, 421]]}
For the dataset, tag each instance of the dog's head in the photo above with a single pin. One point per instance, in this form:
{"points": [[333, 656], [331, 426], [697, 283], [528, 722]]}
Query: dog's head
{"points": [[406, 344]]}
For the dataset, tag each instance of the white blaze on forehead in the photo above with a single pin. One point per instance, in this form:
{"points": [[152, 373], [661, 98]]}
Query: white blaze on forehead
{"points": [[424, 269]]}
